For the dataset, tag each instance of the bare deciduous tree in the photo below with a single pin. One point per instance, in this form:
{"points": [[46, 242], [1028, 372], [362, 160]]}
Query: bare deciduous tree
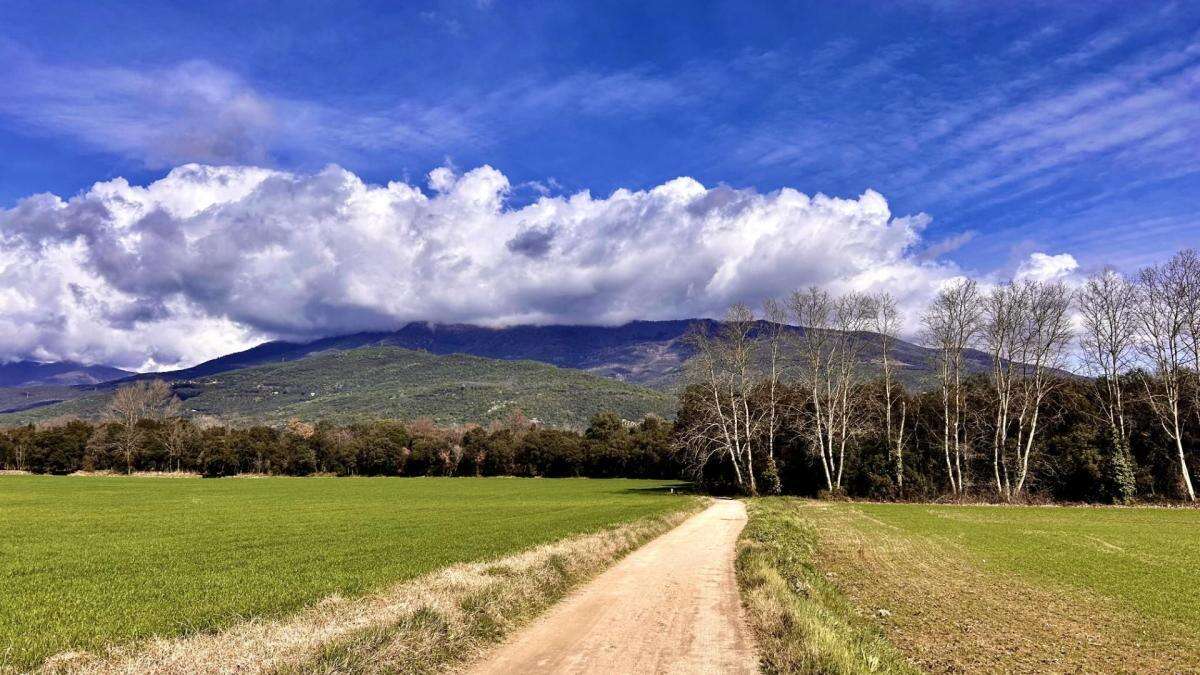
{"points": [[178, 438], [812, 311], [830, 345], [1165, 307], [951, 325], [1189, 261], [774, 332], [132, 403], [1106, 304], [887, 324], [729, 423], [1046, 335], [1003, 334], [853, 312]]}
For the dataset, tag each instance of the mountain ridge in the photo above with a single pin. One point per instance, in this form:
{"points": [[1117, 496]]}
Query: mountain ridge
{"points": [[387, 382], [647, 353], [28, 373]]}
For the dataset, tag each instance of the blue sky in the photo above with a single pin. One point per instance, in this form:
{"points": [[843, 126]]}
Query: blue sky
{"points": [[1072, 127], [1063, 128]]}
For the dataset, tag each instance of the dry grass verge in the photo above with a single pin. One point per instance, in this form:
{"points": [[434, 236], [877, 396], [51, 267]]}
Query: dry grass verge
{"points": [[423, 625], [801, 622]]}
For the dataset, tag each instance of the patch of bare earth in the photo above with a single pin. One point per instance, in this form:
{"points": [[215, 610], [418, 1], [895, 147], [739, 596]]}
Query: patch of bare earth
{"points": [[948, 614], [423, 625]]}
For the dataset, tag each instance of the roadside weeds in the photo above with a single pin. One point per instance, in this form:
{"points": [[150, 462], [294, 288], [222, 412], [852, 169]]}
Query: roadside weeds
{"points": [[801, 622]]}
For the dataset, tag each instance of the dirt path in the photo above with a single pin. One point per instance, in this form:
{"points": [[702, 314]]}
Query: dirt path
{"points": [[672, 606]]}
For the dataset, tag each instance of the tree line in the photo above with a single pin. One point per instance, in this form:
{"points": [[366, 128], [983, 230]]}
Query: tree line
{"points": [[1089, 394], [144, 432]]}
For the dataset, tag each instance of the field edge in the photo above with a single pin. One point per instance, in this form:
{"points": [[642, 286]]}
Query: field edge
{"points": [[443, 618], [801, 621]]}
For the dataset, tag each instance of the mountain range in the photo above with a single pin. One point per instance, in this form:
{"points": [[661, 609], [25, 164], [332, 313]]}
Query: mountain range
{"points": [[60, 373], [375, 382], [646, 358]]}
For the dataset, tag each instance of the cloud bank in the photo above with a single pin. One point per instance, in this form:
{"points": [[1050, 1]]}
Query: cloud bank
{"points": [[212, 259]]}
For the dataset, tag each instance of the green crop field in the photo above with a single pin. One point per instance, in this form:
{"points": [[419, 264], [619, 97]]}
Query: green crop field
{"points": [[1146, 559], [993, 588], [87, 561]]}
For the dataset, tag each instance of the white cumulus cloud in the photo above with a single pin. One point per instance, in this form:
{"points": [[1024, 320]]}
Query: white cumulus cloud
{"points": [[1046, 267], [211, 259]]}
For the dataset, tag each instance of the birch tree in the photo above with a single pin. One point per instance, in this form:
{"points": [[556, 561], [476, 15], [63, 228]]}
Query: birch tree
{"points": [[853, 312], [1003, 334], [1189, 262], [772, 338], [728, 422], [1047, 334], [812, 311], [886, 321], [951, 325], [1165, 303], [830, 346], [1106, 304]]}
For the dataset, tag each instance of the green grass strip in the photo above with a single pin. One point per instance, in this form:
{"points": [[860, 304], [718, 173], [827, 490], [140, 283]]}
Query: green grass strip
{"points": [[803, 624]]}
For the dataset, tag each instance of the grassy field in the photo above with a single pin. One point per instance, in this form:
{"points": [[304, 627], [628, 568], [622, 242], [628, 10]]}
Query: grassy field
{"points": [[1135, 557], [88, 561], [1002, 588]]}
